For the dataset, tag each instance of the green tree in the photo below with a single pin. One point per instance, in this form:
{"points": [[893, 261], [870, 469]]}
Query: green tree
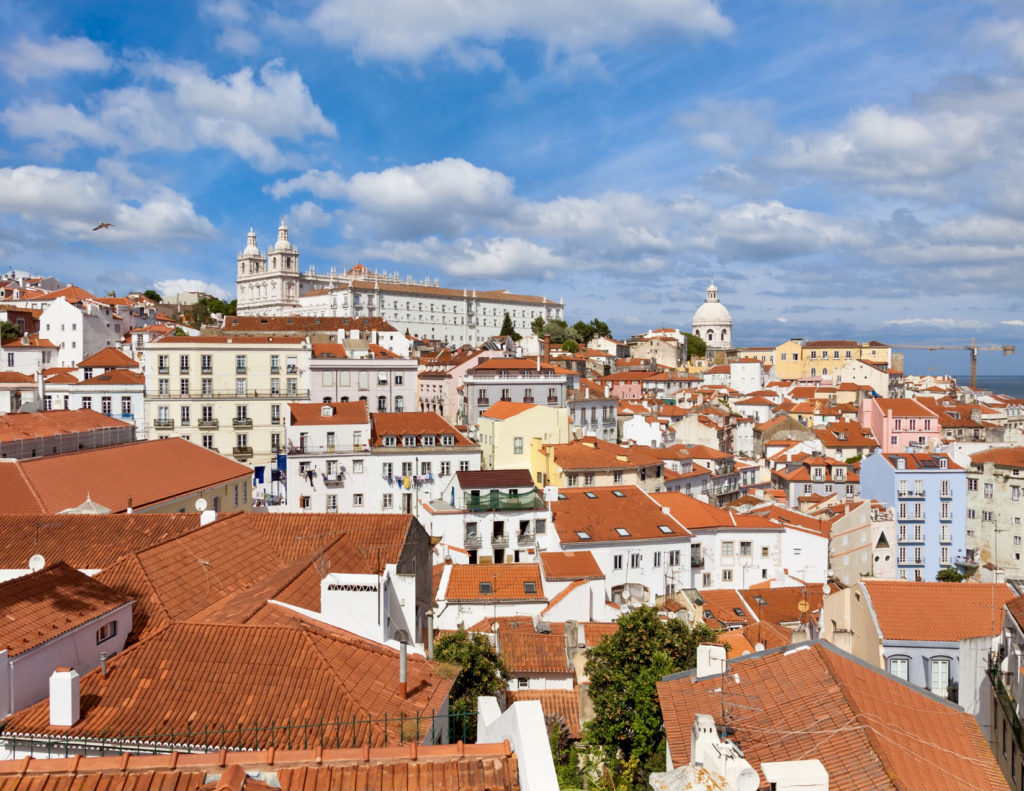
{"points": [[623, 670], [600, 328], [695, 346], [559, 331], [150, 293], [949, 575], [179, 332], [509, 329], [482, 673], [537, 326], [584, 331], [9, 329], [570, 346]]}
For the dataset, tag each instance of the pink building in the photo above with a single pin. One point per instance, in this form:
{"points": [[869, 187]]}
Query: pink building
{"points": [[898, 422]]}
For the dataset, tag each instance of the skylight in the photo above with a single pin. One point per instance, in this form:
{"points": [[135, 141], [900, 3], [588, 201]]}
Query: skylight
{"points": [[617, 493], [529, 587], [584, 535], [760, 600], [485, 587], [590, 495], [664, 528], [738, 611], [622, 531]]}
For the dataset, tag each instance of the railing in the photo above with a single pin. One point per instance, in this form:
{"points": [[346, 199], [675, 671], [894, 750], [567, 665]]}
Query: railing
{"points": [[298, 395], [338, 479], [503, 501], [696, 562], [471, 541], [127, 416], [499, 540], [1006, 701], [206, 369], [241, 452], [320, 450], [164, 369], [163, 423], [428, 727], [275, 421], [275, 369], [552, 399], [213, 423], [242, 422], [526, 538]]}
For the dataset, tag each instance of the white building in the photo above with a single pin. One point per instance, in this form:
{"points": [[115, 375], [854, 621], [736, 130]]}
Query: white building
{"points": [[712, 322], [271, 284], [341, 458]]}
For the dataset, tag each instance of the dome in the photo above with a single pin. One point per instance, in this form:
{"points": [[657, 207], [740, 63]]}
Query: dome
{"points": [[250, 247], [712, 322], [282, 244], [712, 313]]}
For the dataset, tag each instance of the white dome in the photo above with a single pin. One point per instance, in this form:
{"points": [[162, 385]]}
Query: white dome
{"points": [[250, 247], [282, 244], [712, 313]]}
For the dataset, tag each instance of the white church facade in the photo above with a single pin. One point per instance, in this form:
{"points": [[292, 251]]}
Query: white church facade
{"points": [[271, 284]]}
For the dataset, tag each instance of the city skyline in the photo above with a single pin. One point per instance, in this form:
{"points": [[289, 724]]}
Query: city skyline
{"points": [[838, 171]]}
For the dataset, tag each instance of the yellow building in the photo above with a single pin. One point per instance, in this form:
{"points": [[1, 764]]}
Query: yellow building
{"points": [[799, 359], [508, 428]]}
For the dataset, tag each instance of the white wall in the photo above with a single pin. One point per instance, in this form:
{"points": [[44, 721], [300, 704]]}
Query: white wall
{"points": [[523, 725]]}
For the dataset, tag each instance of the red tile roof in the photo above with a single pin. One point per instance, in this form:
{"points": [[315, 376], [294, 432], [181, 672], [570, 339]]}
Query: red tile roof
{"points": [[1001, 457], [399, 424], [13, 377], [506, 409], [903, 407], [603, 513], [28, 425], [118, 376], [695, 514], [560, 705], [869, 729], [109, 358], [37, 607], [937, 611], [304, 324], [561, 566], [498, 582], [191, 676], [144, 474], [343, 413], [495, 479]]}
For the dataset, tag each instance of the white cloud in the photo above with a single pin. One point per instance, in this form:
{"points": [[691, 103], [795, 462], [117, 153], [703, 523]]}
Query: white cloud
{"points": [[308, 215], [180, 108], [236, 22], [29, 59], [493, 257], [1013, 323], [177, 285], [962, 324], [412, 30], [321, 183], [72, 202]]}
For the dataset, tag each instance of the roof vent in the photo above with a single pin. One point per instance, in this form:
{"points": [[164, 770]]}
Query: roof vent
{"points": [[326, 410]]}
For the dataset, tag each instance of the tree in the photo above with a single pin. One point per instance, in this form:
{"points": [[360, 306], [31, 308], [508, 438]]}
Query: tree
{"points": [[570, 346], [600, 328], [179, 332], [537, 326], [695, 346], [9, 329], [482, 673], [949, 575], [623, 670], [584, 331], [509, 329], [150, 293], [559, 331]]}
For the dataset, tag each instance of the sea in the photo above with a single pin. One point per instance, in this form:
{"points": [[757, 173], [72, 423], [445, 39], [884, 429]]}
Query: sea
{"points": [[1004, 385]]}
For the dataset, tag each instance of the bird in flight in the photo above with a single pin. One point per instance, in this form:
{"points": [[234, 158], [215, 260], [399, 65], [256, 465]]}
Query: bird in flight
{"points": [[103, 225]]}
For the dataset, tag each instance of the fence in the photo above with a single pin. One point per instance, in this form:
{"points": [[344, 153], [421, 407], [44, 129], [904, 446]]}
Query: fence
{"points": [[435, 728], [497, 500]]}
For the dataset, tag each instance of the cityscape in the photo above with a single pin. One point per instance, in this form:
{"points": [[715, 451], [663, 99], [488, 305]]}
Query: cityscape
{"points": [[478, 397]]}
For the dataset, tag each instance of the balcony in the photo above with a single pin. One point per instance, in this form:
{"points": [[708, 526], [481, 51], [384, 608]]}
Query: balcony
{"points": [[338, 479], [527, 538], [275, 421], [242, 422], [337, 448], [241, 371], [275, 370], [242, 452], [212, 423], [127, 416], [503, 501], [248, 395], [293, 369], [552, 399], [527, 399], [499, 540], [164, 369], [163, 423], [471, 541], [206, 369], [696, 562]]}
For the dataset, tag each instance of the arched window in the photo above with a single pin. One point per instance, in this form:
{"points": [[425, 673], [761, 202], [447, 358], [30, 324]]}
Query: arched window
{"points": [[814, 372], [824, 371], [724, 333], [899, 666], [711, 335]]}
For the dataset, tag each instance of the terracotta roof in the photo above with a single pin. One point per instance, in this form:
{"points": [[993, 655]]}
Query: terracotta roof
{"points": [[53, 423], [726, 607], [1001, 457], [525, 650], [400, 424], [903, 407], [190, 676], [109, 358], [32, 341], [85, 541], [37, 607], [329, 351], [736, 643], [143, 473], [303, 324], [561, 566], [695, 514], [869, 729], [497, 582], [922, 461], [70, 293], [506, 409], [512, 364], [342, 413], [414, 288], [13, 377], [118, 376], [558, 704], [603, 513], [937, 611], [237, 340], [495, 479], [462, 767]]}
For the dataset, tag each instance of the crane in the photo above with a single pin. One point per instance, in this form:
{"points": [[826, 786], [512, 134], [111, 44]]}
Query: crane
{"points": [[973, 348]]}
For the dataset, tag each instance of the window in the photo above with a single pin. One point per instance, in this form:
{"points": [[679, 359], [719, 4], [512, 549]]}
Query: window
{"points": [[588, 479], [940, 677], [332, 503], [387, 502], [746, 548], [292, 386], [357, 501], [240, 387], [207, 387], [399, 379], [409, 441], [657, 559], [673, 557], [727, 548], [126, 406], [208, 441], [164, 387], [186, 415], [726, 575], [617, 562], [304, 502], [206, 363], [400, 404], [634, 560], [988, 491], [617, 476], [972, 484], [572, 479], [163, 363], [523, 682], [899, 666], [275, 386], [446, 468], [517, 445], [972, 514], [105, 405], [1014, 493], [240, 366], [105, 632]]}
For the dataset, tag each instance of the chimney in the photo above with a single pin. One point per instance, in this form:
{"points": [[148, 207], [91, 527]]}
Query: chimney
{"points": [[403, 671], [64, 697], [24, 339], [497, 639], [103, 663], [207, 517], [430, 635], [547, 348], [710, 660]]}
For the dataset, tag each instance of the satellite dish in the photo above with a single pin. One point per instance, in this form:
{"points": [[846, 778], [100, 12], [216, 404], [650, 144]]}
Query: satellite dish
{"points": [[825, 589], [803, 605], [201, 504], [759, 647], [748, 780], [36, 563]]}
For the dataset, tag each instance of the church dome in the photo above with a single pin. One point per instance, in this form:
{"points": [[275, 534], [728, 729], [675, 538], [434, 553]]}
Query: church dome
{"points": [[250, 247], [282, 244], [712, 313], [712, 321]]}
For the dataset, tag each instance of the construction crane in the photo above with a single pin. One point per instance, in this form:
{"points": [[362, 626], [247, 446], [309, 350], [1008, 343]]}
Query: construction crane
{"points": [[973, 348]]}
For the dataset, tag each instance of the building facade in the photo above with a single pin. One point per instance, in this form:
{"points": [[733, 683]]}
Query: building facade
{"points": [[995, 509]]}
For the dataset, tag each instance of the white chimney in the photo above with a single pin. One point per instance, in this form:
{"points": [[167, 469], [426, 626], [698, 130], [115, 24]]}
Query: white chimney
{"points": [[207, 517], [796, 775], [64, 697], [710, 660]]}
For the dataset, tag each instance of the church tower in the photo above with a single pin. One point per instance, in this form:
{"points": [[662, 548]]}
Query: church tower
{"points": [[268, 285]]}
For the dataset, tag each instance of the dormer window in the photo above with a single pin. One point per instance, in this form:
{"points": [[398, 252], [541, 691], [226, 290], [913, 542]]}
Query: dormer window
{"points": [[326, 411], [427, 439], [390, 442], [447, 439], [943, 463], [901, 463], [409, 441]]}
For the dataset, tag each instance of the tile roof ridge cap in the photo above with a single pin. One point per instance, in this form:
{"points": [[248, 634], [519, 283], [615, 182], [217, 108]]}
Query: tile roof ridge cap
{"points": [[28, 485]]}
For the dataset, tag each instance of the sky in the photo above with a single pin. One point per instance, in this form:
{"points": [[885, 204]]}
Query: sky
{"points": [[840, 168]]}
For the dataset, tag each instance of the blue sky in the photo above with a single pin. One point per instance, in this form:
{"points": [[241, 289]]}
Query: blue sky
{"points": [[840, 168]]}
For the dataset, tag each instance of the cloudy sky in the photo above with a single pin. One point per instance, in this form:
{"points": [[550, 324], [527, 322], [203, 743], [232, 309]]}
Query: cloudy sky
{"points": [[841, 168]]}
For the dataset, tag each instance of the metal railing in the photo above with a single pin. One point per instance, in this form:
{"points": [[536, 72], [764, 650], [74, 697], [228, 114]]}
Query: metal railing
{"points": [[298, 395], [163, 423], [241, 452], [499, 540], [503, 501], [321, 450], [212, 423], [472, 541], [429, 727], [241, 422]]}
